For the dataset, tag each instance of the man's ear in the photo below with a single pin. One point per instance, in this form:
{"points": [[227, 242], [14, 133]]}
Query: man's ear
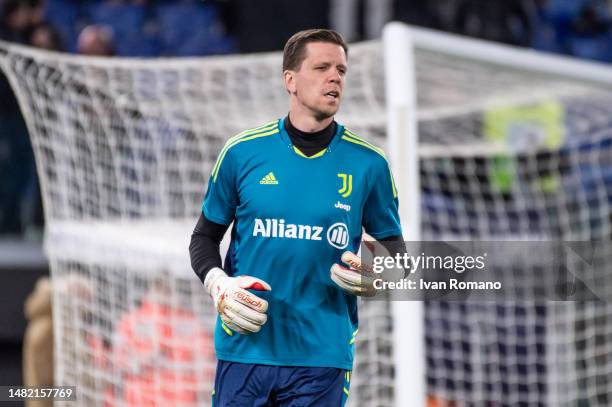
{"points": [[289, 77]]}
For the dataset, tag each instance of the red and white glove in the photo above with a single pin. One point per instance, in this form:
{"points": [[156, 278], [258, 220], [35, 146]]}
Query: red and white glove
{"points": [[357, 279], [240, 310]]}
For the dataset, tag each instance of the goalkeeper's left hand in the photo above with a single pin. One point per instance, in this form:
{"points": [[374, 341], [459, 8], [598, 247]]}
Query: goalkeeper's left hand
{"points": [[358, 279]]}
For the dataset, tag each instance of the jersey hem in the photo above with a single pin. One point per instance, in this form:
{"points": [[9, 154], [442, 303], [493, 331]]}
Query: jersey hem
{"points": [[290, 362], [385, 234], [216, 219]]}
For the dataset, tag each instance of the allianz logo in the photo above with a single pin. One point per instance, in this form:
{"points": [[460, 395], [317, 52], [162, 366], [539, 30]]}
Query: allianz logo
{"points": [[337, 234]]}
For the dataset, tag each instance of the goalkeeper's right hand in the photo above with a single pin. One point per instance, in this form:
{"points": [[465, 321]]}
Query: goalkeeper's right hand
{"points": [[240, 310]]}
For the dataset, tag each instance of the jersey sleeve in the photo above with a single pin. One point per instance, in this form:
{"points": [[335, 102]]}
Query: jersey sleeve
{"points": [[221, 198], [380, 214]]}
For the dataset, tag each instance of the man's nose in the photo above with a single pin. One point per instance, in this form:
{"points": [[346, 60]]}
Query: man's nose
{"points": [[335, 77]]}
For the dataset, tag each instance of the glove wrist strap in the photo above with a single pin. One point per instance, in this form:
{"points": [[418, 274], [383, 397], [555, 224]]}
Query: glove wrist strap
{"points": [[211, 277]]}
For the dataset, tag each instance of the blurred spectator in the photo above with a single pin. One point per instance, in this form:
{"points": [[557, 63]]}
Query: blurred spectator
{"points": [[13, 134], [590, 34], [38, 340], [20, 207], [507, 21], [14, 142], [591, 21], [97, 40], [581, 28], [134, 28], [160, 340], [141, 28], [17, 18], [45, 36], [37, 11]]}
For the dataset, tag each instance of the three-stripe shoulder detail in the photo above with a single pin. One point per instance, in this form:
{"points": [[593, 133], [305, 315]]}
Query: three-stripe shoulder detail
{"points": [[257, 132], [353, 138]]}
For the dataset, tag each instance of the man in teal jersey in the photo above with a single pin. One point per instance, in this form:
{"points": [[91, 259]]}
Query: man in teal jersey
{"points": [[299, 191]]}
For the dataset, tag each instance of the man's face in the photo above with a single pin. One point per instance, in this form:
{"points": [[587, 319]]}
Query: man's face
{"points": [[318, 84]]}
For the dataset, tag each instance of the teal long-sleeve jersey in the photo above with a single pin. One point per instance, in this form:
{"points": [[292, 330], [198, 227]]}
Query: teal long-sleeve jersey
{"points": [[293, 218]]}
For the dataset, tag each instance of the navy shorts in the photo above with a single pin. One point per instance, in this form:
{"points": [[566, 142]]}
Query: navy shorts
{"points": [[251, 385]]}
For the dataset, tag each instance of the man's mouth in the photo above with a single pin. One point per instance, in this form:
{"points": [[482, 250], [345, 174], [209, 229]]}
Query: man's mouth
{"points": [[333, 94]]}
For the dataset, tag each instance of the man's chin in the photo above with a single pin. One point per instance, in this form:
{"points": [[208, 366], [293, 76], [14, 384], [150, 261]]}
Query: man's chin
{"points": [[325, 114]]}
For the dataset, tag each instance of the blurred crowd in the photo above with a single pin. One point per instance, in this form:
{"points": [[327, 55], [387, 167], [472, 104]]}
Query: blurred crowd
{"points": [[153, 28], [581, 28], [117, 27]]}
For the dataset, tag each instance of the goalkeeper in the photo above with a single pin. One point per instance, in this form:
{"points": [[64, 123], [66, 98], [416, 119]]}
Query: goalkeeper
{"points": [[299, 191]]}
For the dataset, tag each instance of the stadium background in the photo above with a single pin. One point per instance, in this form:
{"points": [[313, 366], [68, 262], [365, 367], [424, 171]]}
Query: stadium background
{"points": [[194, 28]]}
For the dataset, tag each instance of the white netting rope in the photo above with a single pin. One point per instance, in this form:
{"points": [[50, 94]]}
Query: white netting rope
{"points": [[124, 150], [137, 138], [514, 155]]}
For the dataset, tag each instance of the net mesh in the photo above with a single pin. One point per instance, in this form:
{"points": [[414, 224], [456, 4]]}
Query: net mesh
{"points": [[124, 149], [515, 155]]}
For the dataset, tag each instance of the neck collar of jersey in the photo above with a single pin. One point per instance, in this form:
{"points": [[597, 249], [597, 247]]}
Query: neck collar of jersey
{"points": [[287, 140]]}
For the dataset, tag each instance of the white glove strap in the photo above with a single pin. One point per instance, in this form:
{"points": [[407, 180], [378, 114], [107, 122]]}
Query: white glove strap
{"points": [[212, 276]]}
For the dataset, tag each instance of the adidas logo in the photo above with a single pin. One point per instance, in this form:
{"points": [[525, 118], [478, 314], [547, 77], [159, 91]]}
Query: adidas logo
{"points": [[269, 179]]}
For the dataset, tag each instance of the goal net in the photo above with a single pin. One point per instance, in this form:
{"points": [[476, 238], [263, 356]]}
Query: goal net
{"points": [[124, 149], [512, 145]]}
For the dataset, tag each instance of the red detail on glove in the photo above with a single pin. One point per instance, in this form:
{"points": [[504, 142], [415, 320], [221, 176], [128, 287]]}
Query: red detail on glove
{"points": [[256, 286]]}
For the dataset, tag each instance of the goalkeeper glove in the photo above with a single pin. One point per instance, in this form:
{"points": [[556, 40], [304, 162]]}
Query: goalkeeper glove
{"points": [[358, 279], [239, 309]]}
